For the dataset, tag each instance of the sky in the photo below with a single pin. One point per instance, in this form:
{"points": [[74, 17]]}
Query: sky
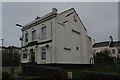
{"points": [[119, 21], [0, 21], [99, 18]]}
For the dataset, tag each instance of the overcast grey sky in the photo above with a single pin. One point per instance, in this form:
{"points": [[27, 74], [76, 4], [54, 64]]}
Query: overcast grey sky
{"points": [[100, 19], [119, 21], [0, 38]]}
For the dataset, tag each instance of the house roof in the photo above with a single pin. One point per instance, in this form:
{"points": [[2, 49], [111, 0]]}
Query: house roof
{"points": [[106, 43], [77, 16], [13, 47], [40, 20], [48, 16]]}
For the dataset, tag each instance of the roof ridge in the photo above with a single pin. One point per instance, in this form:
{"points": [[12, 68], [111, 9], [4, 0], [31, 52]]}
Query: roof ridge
{"points": [[66, 11], [105, 43]]}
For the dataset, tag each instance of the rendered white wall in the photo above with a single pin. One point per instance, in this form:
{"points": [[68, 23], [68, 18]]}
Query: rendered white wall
{"points": [[62, 37]]}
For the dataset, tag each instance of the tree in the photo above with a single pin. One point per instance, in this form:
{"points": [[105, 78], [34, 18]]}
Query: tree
{"points": [[105, 53], [104, 58], [10, 58]]}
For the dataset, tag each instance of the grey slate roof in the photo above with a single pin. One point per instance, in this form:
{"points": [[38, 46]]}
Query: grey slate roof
{"points": [[106, 43]]}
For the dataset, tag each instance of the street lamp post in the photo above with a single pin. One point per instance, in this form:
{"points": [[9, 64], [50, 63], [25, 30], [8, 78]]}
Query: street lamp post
{"points": [[2, 42], [19, 25]]}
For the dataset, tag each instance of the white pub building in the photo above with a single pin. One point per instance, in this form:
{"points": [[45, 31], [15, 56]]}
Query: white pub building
{"points": [[56, 38]]}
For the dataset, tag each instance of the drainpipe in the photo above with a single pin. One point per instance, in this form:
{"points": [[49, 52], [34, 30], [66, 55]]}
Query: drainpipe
{"points": [[51, 43], [54, 10]]}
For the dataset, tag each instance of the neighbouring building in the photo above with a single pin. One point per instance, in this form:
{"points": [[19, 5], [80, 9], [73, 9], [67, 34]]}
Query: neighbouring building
{"points": [[56, 38], [11, 59], [112, 46], [11, 49]]}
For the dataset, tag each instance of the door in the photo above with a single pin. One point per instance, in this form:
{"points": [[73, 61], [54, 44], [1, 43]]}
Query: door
{"points": [[32, 55]]}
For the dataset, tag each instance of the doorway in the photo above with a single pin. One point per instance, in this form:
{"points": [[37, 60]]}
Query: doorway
{"points": [[32, 55]]}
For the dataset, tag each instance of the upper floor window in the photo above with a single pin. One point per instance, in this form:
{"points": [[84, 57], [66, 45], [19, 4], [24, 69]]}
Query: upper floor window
{"points": [[43, 32], [25, 53], [77, 48], [26, 37], [43, 51], [33, 35]]}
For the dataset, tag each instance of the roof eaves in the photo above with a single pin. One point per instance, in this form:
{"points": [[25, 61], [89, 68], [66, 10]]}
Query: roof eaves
{"points": [[40, 19]]}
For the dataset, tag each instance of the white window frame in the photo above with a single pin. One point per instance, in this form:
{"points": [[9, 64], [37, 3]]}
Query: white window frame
{"points": [[113, 51], [25, 55], [43, 32], [26, 37], [43, 53], [33, 35]]}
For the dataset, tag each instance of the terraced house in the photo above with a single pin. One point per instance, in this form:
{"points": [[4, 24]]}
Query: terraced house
{"points": [[56, 38], [111, 45]]}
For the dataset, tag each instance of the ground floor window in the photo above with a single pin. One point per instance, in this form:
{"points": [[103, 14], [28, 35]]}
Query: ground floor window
{"points": [[43, 51], [118, 51], [113, 51], [25, 53]]}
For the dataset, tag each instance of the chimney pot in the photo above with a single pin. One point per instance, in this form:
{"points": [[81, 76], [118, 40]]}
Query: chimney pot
{"points": [[37, 17]]}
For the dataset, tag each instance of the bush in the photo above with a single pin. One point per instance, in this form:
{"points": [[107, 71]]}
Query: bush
{"points": [[6, 76], [105, 53]]}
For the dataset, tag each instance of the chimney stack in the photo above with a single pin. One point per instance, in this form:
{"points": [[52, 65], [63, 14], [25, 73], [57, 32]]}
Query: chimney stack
{"points": [[37, 17], [54, 10]]}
